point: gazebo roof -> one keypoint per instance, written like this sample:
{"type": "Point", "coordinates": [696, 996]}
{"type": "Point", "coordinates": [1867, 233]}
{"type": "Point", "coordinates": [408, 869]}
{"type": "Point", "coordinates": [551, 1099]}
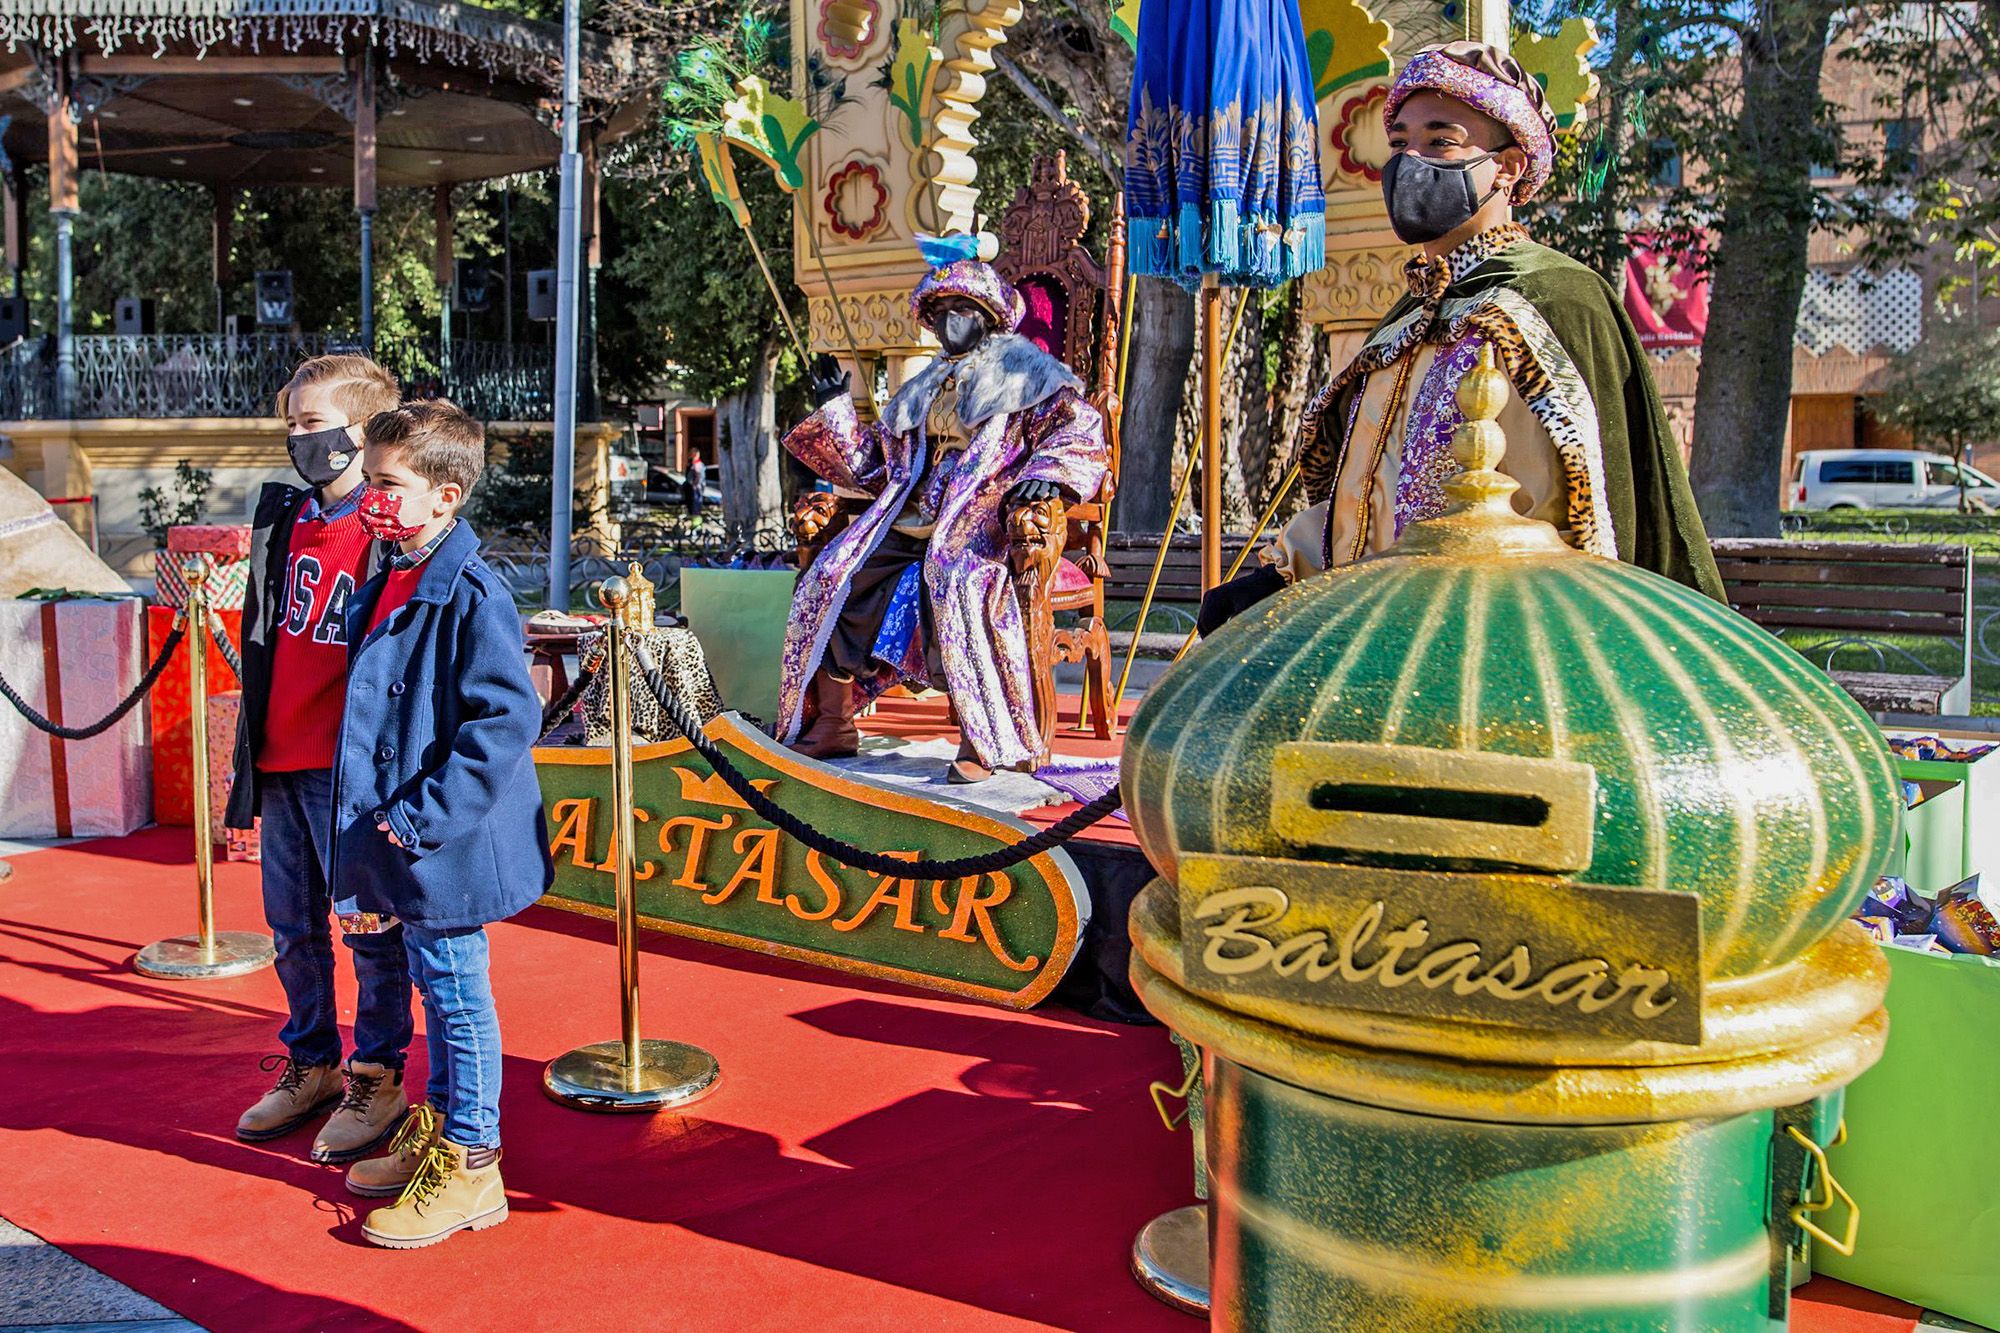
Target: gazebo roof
{"type": "Point", "coordinates": [260, 92]}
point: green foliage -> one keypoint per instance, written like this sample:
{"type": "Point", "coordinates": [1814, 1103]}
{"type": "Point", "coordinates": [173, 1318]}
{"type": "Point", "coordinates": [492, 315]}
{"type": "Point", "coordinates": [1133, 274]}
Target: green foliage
{"type": "Point", "coordinates": [184, 501]}
{"type": "Point", "coordinates": [512, 497]}
{"type": "Point", "coordinates": [1946, 391]}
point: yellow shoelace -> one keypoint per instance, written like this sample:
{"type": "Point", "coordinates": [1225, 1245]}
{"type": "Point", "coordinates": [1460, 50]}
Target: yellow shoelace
{"type": "Point", "coordinates": [419, 1127]}
{"type": "Point", "coordinates": [437, 1167]}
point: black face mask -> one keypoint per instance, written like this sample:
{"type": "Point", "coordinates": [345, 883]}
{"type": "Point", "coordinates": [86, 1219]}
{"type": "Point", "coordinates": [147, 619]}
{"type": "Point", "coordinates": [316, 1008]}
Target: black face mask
{"type": "Point", "coordinates": [322, 456]}
{"type": "Point", "coordinates": [1429, 197]}
{"type": "Point", "coordinates": [959, 330]}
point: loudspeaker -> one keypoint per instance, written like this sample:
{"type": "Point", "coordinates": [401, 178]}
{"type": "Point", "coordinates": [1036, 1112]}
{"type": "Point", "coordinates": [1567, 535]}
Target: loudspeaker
{"type": "Point", "coordinates": [274, 296]}
{"type": "Point", "coordinates": [132, 316]}
{"type": "Point", "coordinates": [471, 287]}
{"type": "Point", "coordinates": [13, 319]}
{"type": "Point", "coordinates": [542, 293]}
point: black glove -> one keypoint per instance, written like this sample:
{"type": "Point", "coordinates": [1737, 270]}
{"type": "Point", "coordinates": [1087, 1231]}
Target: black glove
{"type": "Point", "coordinates": [1031, 492]}
{"type": "Point", "coordinates": [829, 381]}
{"type": "Point", "coordinates": [1226, 601]}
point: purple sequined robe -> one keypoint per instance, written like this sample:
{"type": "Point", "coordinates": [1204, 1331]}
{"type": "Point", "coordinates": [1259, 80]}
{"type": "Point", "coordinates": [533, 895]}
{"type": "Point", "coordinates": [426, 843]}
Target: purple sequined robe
{"type": "Point", "coordinates": [1027, 421]}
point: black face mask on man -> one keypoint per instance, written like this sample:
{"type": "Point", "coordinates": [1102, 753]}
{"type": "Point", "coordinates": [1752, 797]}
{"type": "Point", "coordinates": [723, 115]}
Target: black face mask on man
{"type": "Point", "coordinates": [960, 330]}
{"type": "Point", "coordinates": [1429, 197]}
{"type": "Point", "coordinates": [321, 456]}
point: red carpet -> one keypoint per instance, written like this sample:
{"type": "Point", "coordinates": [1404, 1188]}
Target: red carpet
{"type": "Point", "coordinates": [874, 1158]}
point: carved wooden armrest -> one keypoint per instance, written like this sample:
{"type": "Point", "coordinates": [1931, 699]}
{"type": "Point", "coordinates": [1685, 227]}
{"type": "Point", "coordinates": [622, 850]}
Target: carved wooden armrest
{"type": "Point", "coordinates": [1035, 534]}
{"type": "Point", "coordinates": [811, 513]}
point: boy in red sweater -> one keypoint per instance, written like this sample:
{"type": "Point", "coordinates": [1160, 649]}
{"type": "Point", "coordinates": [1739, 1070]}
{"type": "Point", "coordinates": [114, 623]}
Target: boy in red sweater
{"type": "Point", "coordinates": [309, 552]}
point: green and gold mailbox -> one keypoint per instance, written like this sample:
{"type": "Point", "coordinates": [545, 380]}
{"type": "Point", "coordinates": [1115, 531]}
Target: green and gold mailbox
{"type": "Point", "coordinates": [1505, 890]}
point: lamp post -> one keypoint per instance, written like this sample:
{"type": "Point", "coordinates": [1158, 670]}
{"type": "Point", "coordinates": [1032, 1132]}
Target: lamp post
{"type": "Point", "coordinates": [562, 481]}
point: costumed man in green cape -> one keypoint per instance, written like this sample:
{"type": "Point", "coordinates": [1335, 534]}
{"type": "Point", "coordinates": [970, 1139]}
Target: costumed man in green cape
{"type": "Point", "coordinates": [1587, 437]}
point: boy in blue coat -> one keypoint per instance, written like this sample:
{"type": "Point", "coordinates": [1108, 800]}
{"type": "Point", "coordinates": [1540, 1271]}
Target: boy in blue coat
{"type": "Point", "coordinates": [437, 813]}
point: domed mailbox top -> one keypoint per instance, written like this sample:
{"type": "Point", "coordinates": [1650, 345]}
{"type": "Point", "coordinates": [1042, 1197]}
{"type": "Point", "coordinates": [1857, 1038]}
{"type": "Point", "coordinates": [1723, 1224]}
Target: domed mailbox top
{"type": "Point", "coordinates": [1527, 749]}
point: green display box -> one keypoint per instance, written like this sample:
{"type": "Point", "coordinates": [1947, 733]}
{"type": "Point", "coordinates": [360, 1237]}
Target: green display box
{"type": "Point", "coordinates": [1918, 1135]}
{"type": "Point", "coordinates": [1950, 836]}
{"type": "Point", "coordinates": [739, 615]}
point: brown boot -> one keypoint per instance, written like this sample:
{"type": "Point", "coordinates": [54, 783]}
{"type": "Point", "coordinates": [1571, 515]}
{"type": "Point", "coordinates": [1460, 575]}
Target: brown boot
{"type": "Point", "coordinates": [380, 1177]}
{"type": "Point", "coordinates": [833, 734]}
{"type": "Point", "coordinates": [967, 768]}
{"type": "Point", "coordinates": [301, 1092]}
{"type": "Point", "coordinates": [375, 1101]}
{"type": "Point", "coordinates": [454, 1190]}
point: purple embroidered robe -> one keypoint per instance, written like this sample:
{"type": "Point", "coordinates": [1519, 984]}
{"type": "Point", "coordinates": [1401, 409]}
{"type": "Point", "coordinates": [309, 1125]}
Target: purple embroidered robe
{"type": "Point", "coordinates": [1027, 421]}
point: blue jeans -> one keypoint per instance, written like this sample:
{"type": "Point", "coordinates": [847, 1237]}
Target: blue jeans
{"type": "Point", "coordinates": [297, 840]}
{"type": "Point", "coordinates": [463, 1029]}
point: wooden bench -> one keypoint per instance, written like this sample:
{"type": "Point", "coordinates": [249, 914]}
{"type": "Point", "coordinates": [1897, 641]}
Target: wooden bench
{"type": "Point", "coordinates": [1852, 591]}
{"type": "Point", "coordinates": [1130, 556]}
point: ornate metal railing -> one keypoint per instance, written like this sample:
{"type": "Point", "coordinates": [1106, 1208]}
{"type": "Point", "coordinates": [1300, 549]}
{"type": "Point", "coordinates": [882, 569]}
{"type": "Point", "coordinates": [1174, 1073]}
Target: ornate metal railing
{"type": "Point", "coordinates": [215, 375]}
{"type": "Point", "coordinates": [660, 549]}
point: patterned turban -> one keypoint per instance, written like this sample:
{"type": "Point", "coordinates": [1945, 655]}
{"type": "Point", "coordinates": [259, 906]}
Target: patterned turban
{"type": "Point", "coordinates": [1491, 83]}
{"type": "Point", "coordinates": [976, 281]}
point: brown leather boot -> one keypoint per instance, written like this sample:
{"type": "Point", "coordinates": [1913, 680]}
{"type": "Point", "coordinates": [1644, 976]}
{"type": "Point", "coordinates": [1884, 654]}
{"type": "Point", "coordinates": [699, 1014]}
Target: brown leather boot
{"type": "Point", "coordinates": [379, 1177]}
{"type": "Point", "coordinates": [367, 1116]}
{"type": "Point", "coordinates": [301, 1092]}
{"type": "Point", "coordinates": [833, 734]}
{"type": "Point", "coordinates": [455, 1189]}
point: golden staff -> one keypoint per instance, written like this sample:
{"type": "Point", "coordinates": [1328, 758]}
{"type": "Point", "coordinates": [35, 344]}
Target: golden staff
{"type": "Point", "coordinates": [720, 173]}
{"type": "Point", "coordinates": [1284, 489]}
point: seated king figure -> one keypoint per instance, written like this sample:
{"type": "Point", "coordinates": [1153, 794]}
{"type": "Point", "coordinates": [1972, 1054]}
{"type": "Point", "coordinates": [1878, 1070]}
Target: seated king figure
{"type": "Point", "coordinates": [1471, 136]}
{"type": "Point", "coordinates": [919, 589]}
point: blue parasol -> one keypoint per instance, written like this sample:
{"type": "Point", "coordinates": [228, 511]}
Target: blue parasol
{"type": "Point", "coordinates": [1222, 175]}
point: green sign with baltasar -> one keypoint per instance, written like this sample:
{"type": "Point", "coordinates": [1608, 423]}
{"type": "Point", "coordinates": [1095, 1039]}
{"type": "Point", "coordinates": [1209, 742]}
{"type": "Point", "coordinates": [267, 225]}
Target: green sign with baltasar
{"type": "Point", "coordinates": [709, 867]}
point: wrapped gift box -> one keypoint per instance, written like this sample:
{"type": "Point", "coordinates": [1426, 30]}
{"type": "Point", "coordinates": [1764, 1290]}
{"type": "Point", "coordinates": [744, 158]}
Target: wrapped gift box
{"type": "Point", "coordinates": [244, 844]}
{"type": "Point", "coordinates": [223, 549]}
{"type": "Point", "coordinates": [173, 732]}
{"type": "Point", "coordinates": [237, 844]}
{"type": "Point", "coordinates": [73, 661]}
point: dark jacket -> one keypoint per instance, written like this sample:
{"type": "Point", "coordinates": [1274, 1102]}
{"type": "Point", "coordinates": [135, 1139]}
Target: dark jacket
{"type": "Point", "coordinates": [278, 507]}
{"type": "Point", "coordinates": [438, 739]}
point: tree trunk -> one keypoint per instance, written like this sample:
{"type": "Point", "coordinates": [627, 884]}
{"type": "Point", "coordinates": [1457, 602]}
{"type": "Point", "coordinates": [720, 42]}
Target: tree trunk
{"type": "Point", "coordinates": [1163, 338]}
{"type": "Point", "coordinates": [1246, 416]}
{"type": "Point", "coordinates": [1743, 394]}
{"type": "Point", "coordinates": [1304, 367]}
{"type": "Point", "coordinates": [748, 463]}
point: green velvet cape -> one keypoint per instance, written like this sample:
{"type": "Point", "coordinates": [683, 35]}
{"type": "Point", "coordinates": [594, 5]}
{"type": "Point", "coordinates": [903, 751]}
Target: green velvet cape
{"type": "Point", "coordinates": [1652, 507]}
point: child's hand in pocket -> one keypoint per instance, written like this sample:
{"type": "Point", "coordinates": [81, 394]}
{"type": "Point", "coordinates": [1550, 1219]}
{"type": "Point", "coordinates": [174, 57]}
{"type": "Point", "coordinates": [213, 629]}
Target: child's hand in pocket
{"type": "Point", "coordinates": [382, 825]}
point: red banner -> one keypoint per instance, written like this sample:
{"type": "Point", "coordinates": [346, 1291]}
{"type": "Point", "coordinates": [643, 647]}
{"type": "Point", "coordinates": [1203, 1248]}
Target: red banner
{"type": "Point", "coordinates": [1666, 293]}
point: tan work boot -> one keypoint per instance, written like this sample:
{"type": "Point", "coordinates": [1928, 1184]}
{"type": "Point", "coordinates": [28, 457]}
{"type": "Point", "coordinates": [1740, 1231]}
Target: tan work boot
{"type": "Point", "coordinates": [367, 1116]}
{"type": "Point", "coordinates": [301, 1092]}
{"type": "Point", "coordinates": [380, 1177]}
{"type": "Point", "coordinates": [833, 734]}
{"type": "Point", "coordinates": [455, 1189]}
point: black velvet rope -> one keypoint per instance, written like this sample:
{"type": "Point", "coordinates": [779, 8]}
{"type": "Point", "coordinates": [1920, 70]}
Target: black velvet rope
{"type": "Point", "coordinates": [228, 649]}
{"type": "Point", "coordinates": [847, 853]}
{"type": "Point", "coordinates": [557, 711]}
{"type": "Point", "coordinates": [109, 720]}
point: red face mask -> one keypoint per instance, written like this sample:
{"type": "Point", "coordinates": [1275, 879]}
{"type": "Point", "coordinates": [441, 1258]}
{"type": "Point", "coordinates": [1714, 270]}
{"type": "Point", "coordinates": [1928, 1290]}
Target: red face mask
{"type": "Point", "coordinates": [381, 514]}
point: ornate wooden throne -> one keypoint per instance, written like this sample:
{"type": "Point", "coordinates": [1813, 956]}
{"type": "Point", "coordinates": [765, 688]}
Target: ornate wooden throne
{"type": "Point", "coordinates": [1056, 549]}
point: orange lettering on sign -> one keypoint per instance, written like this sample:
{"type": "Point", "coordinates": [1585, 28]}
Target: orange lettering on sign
{"type": "Point", "coordinates": [698, 831]}
{"type": "Point", "coordinates": [902, 893]}
{"type": "Point", "coordinates": [645, 869]}
{"type": "Point", "coordinates": [973, 906]}
{"type": "Point", "coordinates": [828, 887]}
{"type": "Point", "coordinates": [572, 831]}
{"type": "Point", "coordinates": [760, 865]}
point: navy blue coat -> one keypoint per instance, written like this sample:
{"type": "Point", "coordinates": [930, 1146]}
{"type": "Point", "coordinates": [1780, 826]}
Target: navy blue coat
{"type": "Point", "coordinates": [438, 738]}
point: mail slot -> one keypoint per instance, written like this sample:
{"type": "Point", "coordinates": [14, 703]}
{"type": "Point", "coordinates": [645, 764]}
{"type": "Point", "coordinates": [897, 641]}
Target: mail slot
{"type": "Point", "coordinates": [1504, 891]}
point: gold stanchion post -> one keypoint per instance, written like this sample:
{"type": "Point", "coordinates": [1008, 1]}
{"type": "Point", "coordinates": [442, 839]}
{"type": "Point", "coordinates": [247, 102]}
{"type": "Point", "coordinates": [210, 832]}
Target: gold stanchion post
{"type": "Point", "coordinates": [203, 954]}
{"type": "Point", "coordinates": [630, 1074]}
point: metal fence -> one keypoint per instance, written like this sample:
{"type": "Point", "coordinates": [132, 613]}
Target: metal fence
{"type": "Point", "coordinates": [178, 375]}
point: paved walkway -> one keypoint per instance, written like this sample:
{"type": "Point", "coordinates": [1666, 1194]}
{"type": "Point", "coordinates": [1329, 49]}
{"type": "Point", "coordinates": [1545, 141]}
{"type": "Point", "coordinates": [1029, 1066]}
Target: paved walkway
{"type": "Point", "coordinates": [43, 1288]}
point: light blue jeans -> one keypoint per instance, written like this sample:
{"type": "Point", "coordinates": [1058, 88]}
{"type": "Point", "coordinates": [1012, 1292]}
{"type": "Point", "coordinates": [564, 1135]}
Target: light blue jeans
{"type": "Point", "coordinates": [463, 1029]}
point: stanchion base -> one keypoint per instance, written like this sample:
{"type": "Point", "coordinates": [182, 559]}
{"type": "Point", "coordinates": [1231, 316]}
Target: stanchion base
{"type": "Point", "coordinates": [593, 1078]}
{"type": "Point", "coordinates": [183, 959]}
{"type": "Point", "coordinates": [1170, 1258]}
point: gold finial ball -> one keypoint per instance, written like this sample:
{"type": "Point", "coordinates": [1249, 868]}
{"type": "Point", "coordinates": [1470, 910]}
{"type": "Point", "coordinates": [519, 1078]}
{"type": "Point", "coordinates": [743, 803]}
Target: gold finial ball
{"type": "Point", "coordinates": [196, 574]}
{"type": "Point", "coordinates": [1483, 393]}
{"type": "Point", "coordinates": [614, 593]}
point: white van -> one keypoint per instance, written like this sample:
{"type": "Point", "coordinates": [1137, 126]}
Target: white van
{"type": "Point", "coordinates": [1885, 479]}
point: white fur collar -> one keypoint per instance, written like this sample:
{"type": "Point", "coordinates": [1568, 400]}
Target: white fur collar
{"type": "Point", "coordinates": [1003, 375]}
